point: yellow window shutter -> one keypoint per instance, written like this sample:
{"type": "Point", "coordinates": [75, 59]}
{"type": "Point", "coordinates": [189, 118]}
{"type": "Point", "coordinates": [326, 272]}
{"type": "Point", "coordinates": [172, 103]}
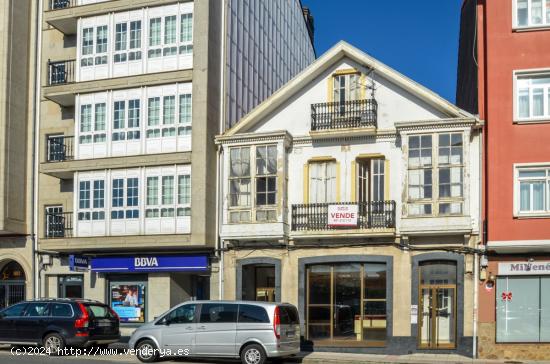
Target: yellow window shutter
{"type": "Point", "coordinates": [386, 179]}
{"type": "Point", "coordinates": [306, 183]}
{"type": "Point", "coordinates": [338, 182]}
{"type": "Point", "coordinates": [330, 88]}
{"type": "Point", "coordinates": [353, 176]}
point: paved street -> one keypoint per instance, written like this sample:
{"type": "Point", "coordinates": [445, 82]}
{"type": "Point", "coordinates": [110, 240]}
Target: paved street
{"type": "Point", "coordinates": [7, 356]}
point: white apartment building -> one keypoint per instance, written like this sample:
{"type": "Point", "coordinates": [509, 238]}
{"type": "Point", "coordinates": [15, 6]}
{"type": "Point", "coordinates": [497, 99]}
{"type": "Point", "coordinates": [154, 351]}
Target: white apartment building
{"type": "Point", "coordinates": [133, 93]}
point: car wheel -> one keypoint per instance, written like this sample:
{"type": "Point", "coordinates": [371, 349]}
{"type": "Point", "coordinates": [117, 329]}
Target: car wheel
{"type": "Point", "coordinates": [146, 351]}
{"type": "Point", "coordinates": [253, 354]}
{"type": "Point", "coordinates": [53, 343]}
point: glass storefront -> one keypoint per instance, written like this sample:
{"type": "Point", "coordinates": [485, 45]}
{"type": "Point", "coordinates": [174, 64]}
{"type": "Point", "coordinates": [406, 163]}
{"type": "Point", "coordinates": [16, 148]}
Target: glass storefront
{"type": "Point", "coordinates": [346, 304]}
{"type": "Point", "coordinates": [259, 282]}
{"type": "Point", "coordinates": [523, 309]}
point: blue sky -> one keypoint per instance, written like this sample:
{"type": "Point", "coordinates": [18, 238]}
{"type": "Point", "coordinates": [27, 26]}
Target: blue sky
{"type": "Point", "coordinates": [417, 38]}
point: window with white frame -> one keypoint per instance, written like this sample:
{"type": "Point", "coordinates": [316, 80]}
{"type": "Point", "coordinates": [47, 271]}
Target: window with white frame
{"type": "Point", "coordinates": [346, 87]}
{"type": "Point", "coordinates": [239, 184]}
{"type": "Point", "coordinates": [266, 182]}
{"type": "Point", "coordinates": [92, 123]}
{"type": "Point", "coordinates": [168, 116]}
{"type": "Point", "coordinates": [435, 174]}
{"type": "Point", "coordinates": [184, 195]}
{"type": "Point", "coordinates": [153, 113]}
{"type": "Point", "coordinates": [127, 41]}
{"type": "Point", "coordinates": [89, 54]}
{"type": "Point", "coordinates": [186, 33]}
{"type": "Point", "coordinates": [126, 124]}
{"type": "Point", "coordinates": [533, 96]}
{"type": "Point", "coordinates": [144, 40]}
{"type": "Point", "coordinates": [163, 35]}
{"type": "Point", "coordinates": [322, 181]}
{"type": "Point", "coordinates": [125, 201]}
{"type": "Point", "coordinates": [532, 13]}
{"type": "Point", "coordinates": [532, 190]}
{"type": "Point", "coordinates": [161, 199]}
{"type": "Point", "coordinates": [91, 200]}
{"type": "Point", "coordinates": [253, 168]}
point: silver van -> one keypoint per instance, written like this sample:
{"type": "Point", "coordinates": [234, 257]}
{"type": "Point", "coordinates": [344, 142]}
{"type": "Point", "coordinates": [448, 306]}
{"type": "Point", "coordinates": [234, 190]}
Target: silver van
{"type": "Point", "coordinates": [253, 331]}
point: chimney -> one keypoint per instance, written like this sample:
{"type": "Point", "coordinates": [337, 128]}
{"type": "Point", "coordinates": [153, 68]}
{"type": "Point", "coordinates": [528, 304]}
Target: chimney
{"type": "Point", "coordinates": [309, 21]}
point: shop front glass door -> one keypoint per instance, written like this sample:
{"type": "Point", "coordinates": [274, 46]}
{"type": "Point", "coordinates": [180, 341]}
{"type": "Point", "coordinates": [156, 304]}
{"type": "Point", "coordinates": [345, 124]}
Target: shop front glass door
{"type": "Point", "coordinates": [346, 304]}
{"type": "Point", "coordinates": [437, 311]}
{"type": "Point", "coordinates": [438, 317]}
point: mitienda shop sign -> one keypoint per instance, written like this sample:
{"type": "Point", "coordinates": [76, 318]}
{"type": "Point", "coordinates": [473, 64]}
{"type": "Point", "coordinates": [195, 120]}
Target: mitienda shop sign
{"type": "Point", "coordinates": [523, 268]}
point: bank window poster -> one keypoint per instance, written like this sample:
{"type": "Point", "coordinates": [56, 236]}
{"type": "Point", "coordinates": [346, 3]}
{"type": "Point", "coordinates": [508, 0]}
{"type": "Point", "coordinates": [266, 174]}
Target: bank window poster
{"type": "Point", "coordinates": [128, 301]}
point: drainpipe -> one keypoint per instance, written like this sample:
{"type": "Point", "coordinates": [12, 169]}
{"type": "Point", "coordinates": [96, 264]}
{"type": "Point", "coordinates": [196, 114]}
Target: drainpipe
{"type": "Point", "coordinates": [219, 206]}
{"type": "Point", "coordinates": [476, 255]}
{"type": "Point", "coordinates": [35, 148]}
{"type": "Point", "coordinates": [219, 162]}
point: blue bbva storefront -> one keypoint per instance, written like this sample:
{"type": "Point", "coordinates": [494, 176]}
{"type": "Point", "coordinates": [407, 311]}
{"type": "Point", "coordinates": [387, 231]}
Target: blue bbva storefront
{"type": "Point", "coordinates": [139, 287]}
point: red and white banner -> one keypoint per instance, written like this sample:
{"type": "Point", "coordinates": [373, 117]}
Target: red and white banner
{"type": "Point", "coordinates": [342, 215]}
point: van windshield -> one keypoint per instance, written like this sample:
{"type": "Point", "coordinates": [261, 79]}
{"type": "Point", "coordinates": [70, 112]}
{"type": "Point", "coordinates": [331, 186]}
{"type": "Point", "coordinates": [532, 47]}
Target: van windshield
{"type": "Point", "coordinates": [289, 315]}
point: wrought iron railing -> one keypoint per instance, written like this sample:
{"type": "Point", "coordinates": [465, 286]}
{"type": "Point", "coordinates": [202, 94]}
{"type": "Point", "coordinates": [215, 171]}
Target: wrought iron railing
{"type": "Point", "coordinates": [59, 225]}
{"type": "Point", "coordinates": [342, 115]}
{"type": "Point", "coordinates": [62, 4]}
{"type": "Point", "coordinates": [61, 72]}
{"type": "Point", "coordinates": [370, 215]}
{"type": "Point", "coordinates": [60, 148]}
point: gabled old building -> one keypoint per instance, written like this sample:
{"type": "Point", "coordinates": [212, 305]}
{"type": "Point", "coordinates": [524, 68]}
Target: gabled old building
{"type": "Point", "coordinates": [353, 193]}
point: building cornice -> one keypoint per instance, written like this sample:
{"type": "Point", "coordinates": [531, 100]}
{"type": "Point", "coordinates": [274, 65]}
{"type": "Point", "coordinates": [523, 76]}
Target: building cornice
{"type": "Point", "coordinates": [254, 137]}
{"type": "Point", "coordinates": [438, 124]}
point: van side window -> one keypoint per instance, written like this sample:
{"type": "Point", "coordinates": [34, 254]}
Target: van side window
{"type": "Point", "coordinates": [252, 314]}
{"type": "Point", "coordinates": [218, 313]}
{"type": "Point", "coordinates": [182, 315]}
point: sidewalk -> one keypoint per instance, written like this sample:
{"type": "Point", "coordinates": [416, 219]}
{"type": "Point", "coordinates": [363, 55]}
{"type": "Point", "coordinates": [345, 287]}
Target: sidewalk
{"type": "Point", "coordinates": [321, 357]}
{"type": "Point", "coordinates": [348, 358]}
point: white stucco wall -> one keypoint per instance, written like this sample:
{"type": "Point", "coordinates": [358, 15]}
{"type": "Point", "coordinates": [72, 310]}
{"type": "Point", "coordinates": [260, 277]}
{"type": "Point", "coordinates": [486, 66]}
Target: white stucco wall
{"type": "Point", "coordinates": [395, 105]}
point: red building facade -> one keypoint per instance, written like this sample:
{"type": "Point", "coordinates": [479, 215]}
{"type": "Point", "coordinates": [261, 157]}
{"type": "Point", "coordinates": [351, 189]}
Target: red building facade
{"type": "Point", "coordinates": [504, 76]}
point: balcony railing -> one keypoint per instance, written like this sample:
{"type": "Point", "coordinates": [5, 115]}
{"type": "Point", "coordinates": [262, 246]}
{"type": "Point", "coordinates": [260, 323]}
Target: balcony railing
{"type": "Point", "coordinates": [61, 72]}
{"type": "Point", "coordinates": [343, 115]}
{"type": "Point", "coordinates": [62, 4]}
{"type": "Point", "coordinates": [371, 215]}
{"type": "Point", "coordinates": [59, 225]}
{"type": "Point", "coordinates": [60, 148]}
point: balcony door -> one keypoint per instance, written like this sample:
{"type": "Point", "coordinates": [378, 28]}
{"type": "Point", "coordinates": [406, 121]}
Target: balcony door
{"type": "Point", "coordinates": [370, 188]}
{"type": "Point", "coordinates": [322, 182]}
{"type": "Point", "coordinates": [346, 88]}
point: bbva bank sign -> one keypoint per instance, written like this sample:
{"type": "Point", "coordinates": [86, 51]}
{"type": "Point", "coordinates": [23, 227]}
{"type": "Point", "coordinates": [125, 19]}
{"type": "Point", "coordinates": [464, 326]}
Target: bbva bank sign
{"type": "Point", "coordinates": [146, 262]}
{"type": "Point", "coordinates": [151, 263]}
